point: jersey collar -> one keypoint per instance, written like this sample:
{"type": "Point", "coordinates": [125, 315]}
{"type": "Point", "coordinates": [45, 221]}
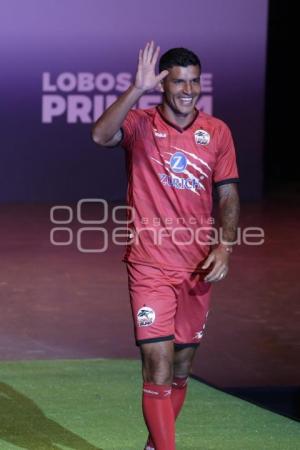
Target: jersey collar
{"type": "Point", "coordinates": [173, 125]}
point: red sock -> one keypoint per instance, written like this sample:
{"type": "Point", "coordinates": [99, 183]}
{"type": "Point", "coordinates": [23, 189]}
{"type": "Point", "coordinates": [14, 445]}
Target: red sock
{"type": "Point", "coordinates": [159, 415]}
{"type": "Point", "coordinates": [179, 388]}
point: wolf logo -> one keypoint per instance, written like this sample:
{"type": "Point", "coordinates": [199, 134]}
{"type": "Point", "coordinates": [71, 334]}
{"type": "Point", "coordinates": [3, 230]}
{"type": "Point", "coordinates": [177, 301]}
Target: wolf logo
{"type": "Point", "coordinates": [202, 137]}
{"type": "Point", "coordinates": [145, 316]}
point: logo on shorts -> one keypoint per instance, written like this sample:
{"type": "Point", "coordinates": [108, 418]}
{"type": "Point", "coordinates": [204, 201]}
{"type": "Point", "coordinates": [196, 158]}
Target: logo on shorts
{"type": "Point", "coordinates": [198, 335]}
{"type": "Point", "coordinates": [178, 162]}
{"type": "Point", "coordinates": [145, 316]}
{"type": "Point", "coordinates": [202, 137]}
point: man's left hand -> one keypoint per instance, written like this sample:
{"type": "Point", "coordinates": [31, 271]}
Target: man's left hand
{"type": "Point", "coordinates": [219, 257]}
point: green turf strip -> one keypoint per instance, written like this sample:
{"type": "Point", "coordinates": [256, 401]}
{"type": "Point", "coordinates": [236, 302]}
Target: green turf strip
{"type": "Point", "coordinates": [95, 404]}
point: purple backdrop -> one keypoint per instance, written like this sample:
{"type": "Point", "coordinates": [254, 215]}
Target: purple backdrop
{"type": "Point", "coordinates": [64, 60]}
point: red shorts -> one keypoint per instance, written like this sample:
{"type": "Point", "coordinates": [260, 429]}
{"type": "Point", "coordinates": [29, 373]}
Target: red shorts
{"type": "Point", "coordinates": [168, 305]}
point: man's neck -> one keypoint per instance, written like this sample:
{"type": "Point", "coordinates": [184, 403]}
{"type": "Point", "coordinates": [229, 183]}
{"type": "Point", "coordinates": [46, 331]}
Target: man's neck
{"type": "Point", "coordinates": [179, 120]}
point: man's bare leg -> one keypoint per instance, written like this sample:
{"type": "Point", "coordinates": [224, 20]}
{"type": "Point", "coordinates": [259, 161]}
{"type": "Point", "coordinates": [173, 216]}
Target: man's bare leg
{"type": "Point", "coordinates": [183, 361]}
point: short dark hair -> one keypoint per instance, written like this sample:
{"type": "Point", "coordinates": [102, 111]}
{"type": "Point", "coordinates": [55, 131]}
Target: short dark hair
{"type": "Point", "coordinates": [178, 57]}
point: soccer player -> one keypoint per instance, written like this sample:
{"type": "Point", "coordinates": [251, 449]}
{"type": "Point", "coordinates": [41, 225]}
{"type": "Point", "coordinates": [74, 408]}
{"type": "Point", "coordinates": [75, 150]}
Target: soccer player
{"type": "Point", "coordinates": [175, 154]}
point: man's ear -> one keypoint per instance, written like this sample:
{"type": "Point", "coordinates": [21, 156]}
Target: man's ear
{"type": "Point", "coordinates": [161, 86]}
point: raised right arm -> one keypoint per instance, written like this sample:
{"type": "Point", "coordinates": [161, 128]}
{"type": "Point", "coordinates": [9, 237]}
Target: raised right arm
{"type": "Point", "coordinates": [107, 129]}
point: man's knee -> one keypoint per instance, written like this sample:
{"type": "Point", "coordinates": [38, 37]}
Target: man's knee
{"type": "Point", "coordinates": [157, 361]}
{"type": "Point", "coordinates": [183, 361]}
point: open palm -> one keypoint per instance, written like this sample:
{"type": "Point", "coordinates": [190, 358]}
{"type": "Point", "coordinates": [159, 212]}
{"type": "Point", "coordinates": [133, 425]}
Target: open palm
{"type": "Point", "coordinates": [145, 76]}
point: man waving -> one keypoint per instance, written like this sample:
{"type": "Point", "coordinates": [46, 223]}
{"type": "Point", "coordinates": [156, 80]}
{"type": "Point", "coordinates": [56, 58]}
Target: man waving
{"type": "Point", "coordinates": [175, 154]}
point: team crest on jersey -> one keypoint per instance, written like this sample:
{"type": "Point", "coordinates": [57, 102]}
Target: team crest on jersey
{"type": "Point", "coordinates": [202, 137]}
{"type": "Point", "coordinates": [145, 316]}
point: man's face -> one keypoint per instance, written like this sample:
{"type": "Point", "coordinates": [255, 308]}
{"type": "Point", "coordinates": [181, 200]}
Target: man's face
{"type": "Point", "coordinates": [181, 89]}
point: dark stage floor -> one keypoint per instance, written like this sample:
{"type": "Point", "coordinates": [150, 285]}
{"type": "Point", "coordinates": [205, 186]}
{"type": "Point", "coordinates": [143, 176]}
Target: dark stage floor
{"type": "Point", "coordinates": [57, 302]}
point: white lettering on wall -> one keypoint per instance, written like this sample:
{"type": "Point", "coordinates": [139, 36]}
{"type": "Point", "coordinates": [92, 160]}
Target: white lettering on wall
{"type": "Point", "coordinates": [82, 97]}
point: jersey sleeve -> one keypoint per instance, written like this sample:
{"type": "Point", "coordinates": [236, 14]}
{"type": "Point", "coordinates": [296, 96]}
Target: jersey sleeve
{"type": "Point", "coordinates": [129, 129]}
{"type": "Point", "coordinates": [225, 170]}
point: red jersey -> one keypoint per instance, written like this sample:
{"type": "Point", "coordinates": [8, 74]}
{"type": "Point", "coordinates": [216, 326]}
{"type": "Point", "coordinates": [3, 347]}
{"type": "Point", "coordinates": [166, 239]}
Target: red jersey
{"type": "Point", "coordinates": [171, 172]}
